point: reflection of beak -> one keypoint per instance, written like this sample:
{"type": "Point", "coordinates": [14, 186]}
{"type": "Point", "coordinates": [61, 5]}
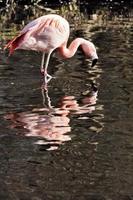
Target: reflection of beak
{"type": "Point", "coordinates": [94, 62]}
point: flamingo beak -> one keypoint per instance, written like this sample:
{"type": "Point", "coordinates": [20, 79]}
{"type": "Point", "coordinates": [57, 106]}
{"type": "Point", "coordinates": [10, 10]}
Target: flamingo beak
{"type": "Point", "coordinates": [94, 61]}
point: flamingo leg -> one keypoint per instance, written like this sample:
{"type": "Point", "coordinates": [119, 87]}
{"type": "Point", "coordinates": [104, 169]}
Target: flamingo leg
{"type": "Point", "coordinates": [42, 63]}
{"type": "Point", "coordinates": [47, 77]}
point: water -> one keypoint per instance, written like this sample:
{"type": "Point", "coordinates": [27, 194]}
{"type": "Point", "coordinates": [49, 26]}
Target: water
{"type": "Point", "coordinates": [73, 141]}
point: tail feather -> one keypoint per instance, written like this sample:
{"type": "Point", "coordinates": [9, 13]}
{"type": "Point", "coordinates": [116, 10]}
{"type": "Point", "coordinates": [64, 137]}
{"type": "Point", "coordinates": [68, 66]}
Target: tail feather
{"type": "Point", "coordinates": [14, 43]}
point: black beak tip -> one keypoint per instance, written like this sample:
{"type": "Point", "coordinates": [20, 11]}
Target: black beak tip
{"type": "Point", "coordinates": [94, 62]}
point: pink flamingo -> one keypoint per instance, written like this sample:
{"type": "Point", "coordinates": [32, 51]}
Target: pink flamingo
{"type": "Point", "coordinates": [46, 34]}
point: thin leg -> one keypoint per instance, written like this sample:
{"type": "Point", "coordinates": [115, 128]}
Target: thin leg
{"type": "Point", "coordinates": [47, 61]}
{"type": "Point", "coordinates": [47, 77]}
{"type": "Point", "coordinates": [42, 63]}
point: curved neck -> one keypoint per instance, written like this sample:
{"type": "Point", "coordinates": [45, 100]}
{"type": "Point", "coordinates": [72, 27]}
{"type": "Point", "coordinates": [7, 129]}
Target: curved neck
{"type": "Point", "coordinates": [71, 50]}
{"type": "Point", "coordinates": [87, 46]}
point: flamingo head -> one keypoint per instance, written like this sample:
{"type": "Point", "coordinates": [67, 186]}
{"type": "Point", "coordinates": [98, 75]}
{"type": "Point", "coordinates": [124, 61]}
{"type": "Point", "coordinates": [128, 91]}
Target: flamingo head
{"type": "Point", "coordinates": [90, 51]}
{"type": "Point", "coordinates": [94, 61]}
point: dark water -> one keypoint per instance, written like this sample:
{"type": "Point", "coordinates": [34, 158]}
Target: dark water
{"type": "Point", "coordinates": [69, 142]}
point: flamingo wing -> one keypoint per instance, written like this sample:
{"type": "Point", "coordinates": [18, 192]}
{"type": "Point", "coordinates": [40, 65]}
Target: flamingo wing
{"type": "Point", "coordinates": [14, 43]}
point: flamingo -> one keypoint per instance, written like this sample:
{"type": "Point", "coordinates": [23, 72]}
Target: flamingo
{"type": "Point", "coordinates": [47, 33]}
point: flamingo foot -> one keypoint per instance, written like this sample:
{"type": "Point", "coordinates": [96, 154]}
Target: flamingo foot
{"type": "Point", "coordinates": [46, 76]}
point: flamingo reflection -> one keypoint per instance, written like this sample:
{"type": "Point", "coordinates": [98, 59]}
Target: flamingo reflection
{"type": "Point", "coordinates": [52, 124]}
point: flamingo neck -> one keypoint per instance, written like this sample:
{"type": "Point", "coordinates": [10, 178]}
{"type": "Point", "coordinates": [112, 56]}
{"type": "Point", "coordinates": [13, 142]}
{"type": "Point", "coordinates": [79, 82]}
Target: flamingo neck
{"type": "Point", "coordinates": [87, 47]}
{"type": "Point", "coordinates": [71, 50]}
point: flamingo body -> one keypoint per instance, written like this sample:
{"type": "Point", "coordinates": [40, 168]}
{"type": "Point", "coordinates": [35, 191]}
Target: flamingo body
{"type": "Point", "coordinates": [42, 34]}
{"type": "Point", "coordinates": [48, 33]}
